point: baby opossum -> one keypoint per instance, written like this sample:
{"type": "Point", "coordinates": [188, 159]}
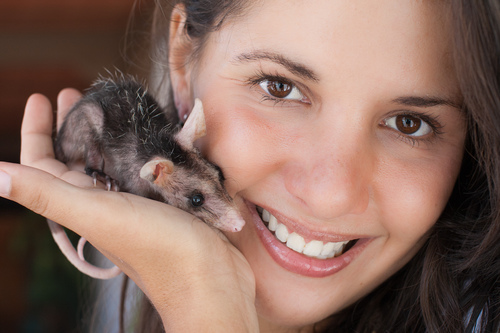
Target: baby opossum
{"type": "Point", "coordinates": [125, 140]}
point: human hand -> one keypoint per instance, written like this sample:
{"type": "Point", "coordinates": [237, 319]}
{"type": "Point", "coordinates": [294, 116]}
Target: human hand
{"type": "Point", "coordinates": [36, 137]}
{"type": "Point", "coordinates": [191, 273]}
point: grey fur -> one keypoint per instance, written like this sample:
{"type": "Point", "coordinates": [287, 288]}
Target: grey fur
{"type": "Point", "coordinates": [118, 127]}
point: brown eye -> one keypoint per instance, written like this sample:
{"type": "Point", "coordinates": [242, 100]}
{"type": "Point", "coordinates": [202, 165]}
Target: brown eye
{"type": "Point", "coordinates": [281, 89]}
{"type": "Point", "coordinates": [408, 125]}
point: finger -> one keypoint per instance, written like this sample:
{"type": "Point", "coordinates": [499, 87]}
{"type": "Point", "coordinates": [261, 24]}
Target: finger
{"type": "Point", "coordinates": [65, 101]}
{"type": "Point", "coordinates": [36, 130]}
{"type": "Point", "coordinates": [36, 137]}
{"type": "Point", "coordinates": [34, 189]}
{"type": "Point", "coordinates": [91, 213]}
{"type": "Point", "coordinates": [51, 204]}
{"type": "Point", "coordinates": [104, 218]}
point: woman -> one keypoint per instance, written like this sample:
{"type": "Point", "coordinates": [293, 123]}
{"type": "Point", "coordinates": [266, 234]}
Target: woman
{"type": "Point", "coordinates": [361, 144]}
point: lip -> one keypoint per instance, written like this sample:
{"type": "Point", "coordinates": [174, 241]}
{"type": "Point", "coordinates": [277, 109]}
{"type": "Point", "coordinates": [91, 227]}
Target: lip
{"type": "Point", "coordinates": [299, 263]}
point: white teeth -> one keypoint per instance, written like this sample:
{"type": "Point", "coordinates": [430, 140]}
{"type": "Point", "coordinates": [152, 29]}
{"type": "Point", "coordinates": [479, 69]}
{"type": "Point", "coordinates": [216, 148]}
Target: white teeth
{"type": "Point", "coordinates": [265, 215]}
{"type": "Point", "coordinates": [330, 249]}
{"type": "Point", "coordinates": [313, 248]}
{"type": "Point", "coordinates": [273, 223]}
{"type": "Point", "coordinates": [296, 242]}
{"type": "Point", "coordinates": [281, 233]}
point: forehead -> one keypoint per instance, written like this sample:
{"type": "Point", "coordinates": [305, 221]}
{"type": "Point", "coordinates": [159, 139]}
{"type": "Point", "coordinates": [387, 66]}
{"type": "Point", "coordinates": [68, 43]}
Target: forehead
{"type": "Point", "coordinates": [388, 39]}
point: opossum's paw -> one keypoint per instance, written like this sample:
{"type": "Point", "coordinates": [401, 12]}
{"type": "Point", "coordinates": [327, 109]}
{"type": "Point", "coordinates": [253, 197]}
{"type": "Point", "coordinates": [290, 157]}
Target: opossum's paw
{"type": "Point", "coordinates": [97, 175]}
{"type": "Point", "coordinates": [111, 184]}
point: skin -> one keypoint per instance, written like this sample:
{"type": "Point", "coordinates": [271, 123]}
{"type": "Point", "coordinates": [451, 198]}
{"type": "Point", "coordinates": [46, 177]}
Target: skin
{"type": "Point", "coordinates": [127, 229]}
{"type": "Point", "coordinates": [331, 160]}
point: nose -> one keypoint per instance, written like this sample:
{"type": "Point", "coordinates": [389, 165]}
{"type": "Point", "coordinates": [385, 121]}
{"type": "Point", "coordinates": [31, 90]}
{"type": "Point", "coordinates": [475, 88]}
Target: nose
{"type": "Point", "coordinates": [332, 175]}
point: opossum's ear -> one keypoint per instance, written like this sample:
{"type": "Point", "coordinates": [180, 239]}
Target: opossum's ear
{"type": "Point", "coordinates": [194, 128]}
{"type": "Point", "coordinates": [181, 47]}
{"type": "Point", "coordinates": [157, 171]}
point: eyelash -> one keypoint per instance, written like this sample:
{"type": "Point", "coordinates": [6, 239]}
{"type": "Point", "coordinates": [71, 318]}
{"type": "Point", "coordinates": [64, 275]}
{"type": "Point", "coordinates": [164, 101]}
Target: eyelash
{"type": "Point", "coordinates": [260, 77]}
{"type": "Point", "coordinates": [431, 121]}
{"type": "Point", "coordinates": [414, 141]}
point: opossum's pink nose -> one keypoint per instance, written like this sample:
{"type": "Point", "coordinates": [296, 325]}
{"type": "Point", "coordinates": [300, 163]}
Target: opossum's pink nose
{"type": "Point", "coordinates": [231, 221]}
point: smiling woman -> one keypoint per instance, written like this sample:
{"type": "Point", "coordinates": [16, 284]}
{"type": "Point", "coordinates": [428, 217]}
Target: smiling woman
{"type": "Point", "coordinates": [326, 151]}
{"type": "Point", "coordinates": [361, 150]}
{"type": "Point", "coordinates": [351, 118]}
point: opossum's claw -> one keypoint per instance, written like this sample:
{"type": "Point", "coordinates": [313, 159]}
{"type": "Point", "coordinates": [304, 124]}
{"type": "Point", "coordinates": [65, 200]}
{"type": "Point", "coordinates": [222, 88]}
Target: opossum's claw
{"type": "Point", "coordinates": [97, 175]}
{"type": "Point", "coordinates": [111, 184]}
{"type": "Point", "coordinates": [94, 178]}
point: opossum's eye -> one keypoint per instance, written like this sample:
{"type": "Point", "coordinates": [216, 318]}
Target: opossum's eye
{"type": "Point", "coordinates": [197, 200]}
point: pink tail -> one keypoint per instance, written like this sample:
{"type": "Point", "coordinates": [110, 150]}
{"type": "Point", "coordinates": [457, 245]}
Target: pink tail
{"type": "Point", "coordinates": [77, 259]}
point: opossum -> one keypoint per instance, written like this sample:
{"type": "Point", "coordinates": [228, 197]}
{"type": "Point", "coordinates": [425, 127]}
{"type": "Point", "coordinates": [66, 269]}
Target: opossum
{"type": "Point", "coordinates": [127, 141]}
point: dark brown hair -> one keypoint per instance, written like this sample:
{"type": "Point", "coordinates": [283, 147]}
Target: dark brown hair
{"type": "Point", "coordinates": [453, 283]}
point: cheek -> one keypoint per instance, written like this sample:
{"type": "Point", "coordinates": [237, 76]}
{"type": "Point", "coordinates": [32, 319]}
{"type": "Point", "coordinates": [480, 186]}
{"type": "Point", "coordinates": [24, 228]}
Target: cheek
{"type": "Point", "coordinates": [416, 195]}
{"type": "Point", "coordinates": [237, 141]}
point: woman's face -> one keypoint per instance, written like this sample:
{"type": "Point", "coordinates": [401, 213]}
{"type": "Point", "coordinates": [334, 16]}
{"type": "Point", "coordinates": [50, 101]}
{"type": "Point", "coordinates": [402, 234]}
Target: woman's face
{"type": "Point", "coordinates": [341, 120]}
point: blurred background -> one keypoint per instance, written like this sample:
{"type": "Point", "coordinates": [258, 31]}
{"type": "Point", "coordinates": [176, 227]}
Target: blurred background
{"type": "Point", "coordinates": [46, 46]}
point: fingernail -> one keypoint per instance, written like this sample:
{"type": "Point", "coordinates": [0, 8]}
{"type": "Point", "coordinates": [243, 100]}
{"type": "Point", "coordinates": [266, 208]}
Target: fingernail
{"type": "Point", "coordinates": [5, 184]}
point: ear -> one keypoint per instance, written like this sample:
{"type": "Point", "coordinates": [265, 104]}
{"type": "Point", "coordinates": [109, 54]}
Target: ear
{"type": "Point", "coordinates": [194, 128]}
{"type": "Point", "coordinates": [157, 171]}
{"type": "Point", "coordinates": [180, 49]}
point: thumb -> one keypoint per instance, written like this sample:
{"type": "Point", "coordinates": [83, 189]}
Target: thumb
{"type": "Point", "coordinates": [34, 189]}
{"type": "Point", "coordinates": [92, 213]}
{"type": "Point", "coordinates": [79, 209]}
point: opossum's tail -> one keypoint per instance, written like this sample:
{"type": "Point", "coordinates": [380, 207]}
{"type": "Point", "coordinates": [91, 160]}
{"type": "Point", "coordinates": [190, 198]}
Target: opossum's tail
{"type": "Point", "coordinates": [77, 259]}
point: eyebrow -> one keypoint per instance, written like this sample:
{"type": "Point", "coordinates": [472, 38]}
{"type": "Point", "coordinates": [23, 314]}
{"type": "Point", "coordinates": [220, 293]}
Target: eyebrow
{"type": "Point", "coordinates": [291, 65]}
{"type": "Point", "coordinates": [426, 102]}
{"type": "Point", "coordinates": [307, 73]}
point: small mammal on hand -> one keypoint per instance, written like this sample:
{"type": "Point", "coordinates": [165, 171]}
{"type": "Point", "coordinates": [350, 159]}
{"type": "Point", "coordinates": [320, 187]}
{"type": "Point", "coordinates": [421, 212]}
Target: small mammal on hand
{"type": "Point", "coordinates": [126, 140]}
